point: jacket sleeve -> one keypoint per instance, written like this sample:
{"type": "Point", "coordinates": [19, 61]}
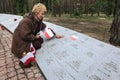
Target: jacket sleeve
{"type": "Point", "coordinates": [43, 26]}
{"type": "Point", "coordinates": [25, 31]}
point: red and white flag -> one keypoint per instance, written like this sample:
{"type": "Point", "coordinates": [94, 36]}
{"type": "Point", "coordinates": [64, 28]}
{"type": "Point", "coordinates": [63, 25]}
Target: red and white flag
{"type": "Point", "coordinates": [32, 49]}
{"type": "Point", "coordinates": [48, 33]}
{"type": "Point", "coordinates": [73, 37]}
{"type": "Point", "coordinates": [28, 58]}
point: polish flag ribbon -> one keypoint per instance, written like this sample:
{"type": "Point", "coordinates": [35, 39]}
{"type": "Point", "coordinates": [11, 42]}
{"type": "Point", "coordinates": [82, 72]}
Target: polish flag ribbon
{"type": "Point", "coordinates": [28, 58]}
{"type": "Point", "coordinates": [48, 33]}
{"type": "Point", "coordinates": [32, 49]}
{"type": "Point", "coordinates": [73, 37]}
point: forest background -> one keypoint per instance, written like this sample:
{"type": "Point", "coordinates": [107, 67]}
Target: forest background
{"type": "Point", "coordinates": [72, 7]}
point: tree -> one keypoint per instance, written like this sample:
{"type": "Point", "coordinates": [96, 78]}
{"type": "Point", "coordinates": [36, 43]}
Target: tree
{"type": "Point", "coordinates": [6, 6]}
{"type": "Point", "coordinates": [98, 6]}
{"type": "Point", "coordinates": [108, 7]}
{"type": "Point", "coordinates": [92, 9]}
{"type": "Point", "coordinates": [56, 8]}
{"type": "Point", "coordinates": [59, 7]}
{"type": "Point", "coordinates": [115, 27]}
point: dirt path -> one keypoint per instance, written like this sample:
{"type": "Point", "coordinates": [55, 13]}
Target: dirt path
{"type": "Point", "coordinates": [98, 30]}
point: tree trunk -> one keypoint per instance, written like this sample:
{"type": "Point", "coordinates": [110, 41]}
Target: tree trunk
{"type": "Point", "coordinates": [115, 27]}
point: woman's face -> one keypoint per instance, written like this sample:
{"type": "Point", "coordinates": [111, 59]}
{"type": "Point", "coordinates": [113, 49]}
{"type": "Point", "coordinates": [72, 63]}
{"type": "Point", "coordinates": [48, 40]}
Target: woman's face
{"type": "Point", "coordinates": [40, 15]}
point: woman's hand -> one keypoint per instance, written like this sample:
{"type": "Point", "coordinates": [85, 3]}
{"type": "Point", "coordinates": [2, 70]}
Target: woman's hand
{"type": "Point", "coordinates": [37, 36]}
{"type": "Point", "coordinates": [59, 36]}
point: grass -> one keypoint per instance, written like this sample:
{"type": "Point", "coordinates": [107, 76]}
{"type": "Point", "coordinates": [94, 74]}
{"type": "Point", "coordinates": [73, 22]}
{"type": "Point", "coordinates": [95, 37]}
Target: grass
{"type": "Point", "coordinates": [95, 26]}
{"type": "Point", "coordinates": [95, 18]}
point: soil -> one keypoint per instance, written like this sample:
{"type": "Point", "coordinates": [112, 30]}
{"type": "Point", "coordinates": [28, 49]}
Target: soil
{"type": "Point", "coordinates": [98, 30]}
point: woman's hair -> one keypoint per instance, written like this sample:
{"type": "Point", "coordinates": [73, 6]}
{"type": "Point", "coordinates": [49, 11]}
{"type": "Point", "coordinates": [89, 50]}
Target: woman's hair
{"type": "Point", "coordinates": [39, 7]}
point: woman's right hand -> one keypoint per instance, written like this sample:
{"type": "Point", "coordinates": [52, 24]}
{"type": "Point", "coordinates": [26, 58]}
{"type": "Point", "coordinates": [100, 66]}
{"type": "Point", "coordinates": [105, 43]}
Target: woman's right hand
{"type": "Point", "coordinates": [59, 36]}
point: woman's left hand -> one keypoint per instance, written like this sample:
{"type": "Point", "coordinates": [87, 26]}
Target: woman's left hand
{"type": "Point", "coordinates": [37, 36]}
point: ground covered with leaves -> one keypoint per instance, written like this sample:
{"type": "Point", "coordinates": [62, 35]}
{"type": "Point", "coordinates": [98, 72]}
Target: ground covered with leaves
{"type": "Point", "coordinates": [98, 29]}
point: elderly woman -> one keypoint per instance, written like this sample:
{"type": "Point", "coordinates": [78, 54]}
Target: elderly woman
{"type": "Point", "coordinates": [26, 34]}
